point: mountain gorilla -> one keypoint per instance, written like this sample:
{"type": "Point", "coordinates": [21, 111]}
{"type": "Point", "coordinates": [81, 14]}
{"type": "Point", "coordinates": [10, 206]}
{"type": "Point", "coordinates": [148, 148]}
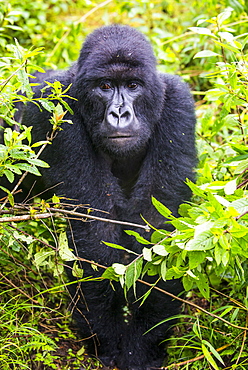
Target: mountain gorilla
{"type": "Point", "coordinates": [132, 138]}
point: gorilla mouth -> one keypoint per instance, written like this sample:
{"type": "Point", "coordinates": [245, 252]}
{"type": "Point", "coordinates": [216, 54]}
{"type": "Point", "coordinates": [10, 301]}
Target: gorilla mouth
{"type": "Point", "coordinates": [120, 137]}
{"type": "Point", "coordinates": [121, 140]}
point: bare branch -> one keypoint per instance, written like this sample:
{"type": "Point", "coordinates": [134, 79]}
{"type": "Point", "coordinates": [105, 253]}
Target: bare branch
{"type": "Point", "coordinates": [55, 212]}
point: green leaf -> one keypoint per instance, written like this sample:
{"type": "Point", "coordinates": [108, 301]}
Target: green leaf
{"type": "Point", "coordinates": [119, 269]}
{"type": "Point", "coordinates": [116, 246]}
{"type": "Point", "coordinates": [58, 269]}
{"type": "Point", "coordinates": [147, 254]}
{"type": "Point", "coordinates": [224, 202]}
{"type": "Point", "coordinates": [183, 209]}
{"type": "Point", "coordinates": [227, 46]}
{"type": "Point", "coordinates": [42, 258]}
{"type": "Point", "coordinates": [10, 176]}
{"type": "Point", "coordinates": [48, 105]}
{"type": "Point", "coordinates": [187, 282]}
{"type": "Point", "coordinates": [209, 358]}
{"type": "Point", "coordinates": [28, 168]}
{"type": "Point", "coordinates": [174, 272]}
{"type": "Point", "coordinates": [214, 352]}
{"type": "Point", "coordinates": [230, 187]}
{"type": "Point", "coordinates": [206, 54]}
{"type": "Point", "coordinates": [110, 274]}
{"type": "Point", "coordinates": [203, 285]}
{"type": "Point", "coordinates": [77, 271]}
{"type": "Point", "coordinates": [13, 168]}
{"type": "Point", "coordinates": [195, 258]}
{"type": "Point", "coordinates": [137, 236]}
{"type": "Point", "coordinates": [201, 242]}
{"type": "Point", "coordinates": [17, 154]}
{"type": "Point", "coordinates": [64, 251]}
{"type": "Point", "coordinates": [162, 209]}
{"type": "Point", "coordinates": [238, 230]}
{"type": "Point", "coordinates": [201, 31]}
{"type": "Point", "coordinates": [38, 162]}
{"type": "Point", "coordinates": [133, 273]}
{"type": "Point", "coordinates": [112, 245]}
{"type": "Point", "coordinates": [81, 351]}
{"type": "Point", "coordinates": [241, 166]}
{"type": "Point", "coordinates": [196, 189]}
{"type": "Point", "coordinates": [67, 107]}
{"type": "Point", "coordinates": [158, 235]}
{"type": "Point", "coordinates": [223, 240]}
{"type": "Point", "coordinates": [39, 143]}
{"type": "Point", "coordinates": [218, 253]}
{"type": "Point", "coordinates": [222, 17]}
{"type": "Point", "coordinates": [160, 250]}
{"type": "Point", "coordinates": [225, 258]}
{"type": "Point", "coordinates": [11, 199]}
{"type": "Point", "coordinates": [7, 136]}
{"type": "Point", "coordinates": [241, 205]}
{"type": "Point", "coordinates": [163, 268]}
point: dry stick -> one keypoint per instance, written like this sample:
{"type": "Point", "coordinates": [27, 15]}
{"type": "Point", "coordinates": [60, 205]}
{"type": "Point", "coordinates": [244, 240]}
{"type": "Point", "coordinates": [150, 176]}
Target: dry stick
{"type": "Point", "coordinates": [56, 212]}
{"type": "Point", "coordinates": [26, 217]}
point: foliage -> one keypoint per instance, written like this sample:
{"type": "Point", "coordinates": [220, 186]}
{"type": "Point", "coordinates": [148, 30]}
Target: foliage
{"type": "Point", "coordinates": [210, 242]}
{"type": "Point", "coordinates": [205, 43]}
{"type": "Point", "coordinates": [20, 339]}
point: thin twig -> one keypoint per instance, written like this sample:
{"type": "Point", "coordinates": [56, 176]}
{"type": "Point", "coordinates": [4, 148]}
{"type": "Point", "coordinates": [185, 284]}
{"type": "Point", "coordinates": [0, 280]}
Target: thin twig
{"type": "Point", "coordinates": [59, 212]}
{"type": "Point", "coordinates": [22, 218]}
{"type": "Point", "coordinates": [16, 287]}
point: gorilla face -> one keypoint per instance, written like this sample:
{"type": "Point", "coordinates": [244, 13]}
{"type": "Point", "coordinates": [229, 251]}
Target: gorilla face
{"type": "Point", "coordinates": [120, 126]}
{"type": "Point", "coordinates": [121, 129]}
{"type": "Point", "coordinates": [120, 90]}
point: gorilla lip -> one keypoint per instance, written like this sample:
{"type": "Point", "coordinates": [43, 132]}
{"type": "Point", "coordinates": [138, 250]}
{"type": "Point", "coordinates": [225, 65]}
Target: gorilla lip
{"type": "Point", "coordinates": [121, 137]}
{"type": "Point", "coordinates": [121, 140]}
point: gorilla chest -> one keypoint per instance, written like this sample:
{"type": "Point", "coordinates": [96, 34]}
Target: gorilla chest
{"type": "Point", "coordinates": [127, 174]}
{"type": "Point", "coordinates": [125, 171]}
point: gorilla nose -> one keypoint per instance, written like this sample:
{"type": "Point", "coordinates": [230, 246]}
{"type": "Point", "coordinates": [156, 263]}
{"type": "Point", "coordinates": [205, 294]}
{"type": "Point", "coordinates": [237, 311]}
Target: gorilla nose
{"type": "Point", "coordinates": [120, 118]}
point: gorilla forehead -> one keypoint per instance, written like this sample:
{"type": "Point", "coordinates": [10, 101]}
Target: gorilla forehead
{"type": "Point", "coordinates": [118, 49]}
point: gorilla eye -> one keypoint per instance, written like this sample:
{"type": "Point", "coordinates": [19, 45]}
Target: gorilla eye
{"type": "Point", "coordinates": [105, 86]}
{"type": "Point", "coordinates": [132, 85]}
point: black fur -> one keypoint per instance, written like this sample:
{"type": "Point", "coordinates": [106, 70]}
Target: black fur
{"type": "Point", "coordinates": [120, 176]}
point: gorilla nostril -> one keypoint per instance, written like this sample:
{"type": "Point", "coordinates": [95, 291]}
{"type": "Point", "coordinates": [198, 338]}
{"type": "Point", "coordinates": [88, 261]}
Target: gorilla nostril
{"type": "Point", "coordinates": [119, 119]}
{"type": "Point", "coordinates": [126, 115]}
{"type": "Point", "coordinates": [115, 115]}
